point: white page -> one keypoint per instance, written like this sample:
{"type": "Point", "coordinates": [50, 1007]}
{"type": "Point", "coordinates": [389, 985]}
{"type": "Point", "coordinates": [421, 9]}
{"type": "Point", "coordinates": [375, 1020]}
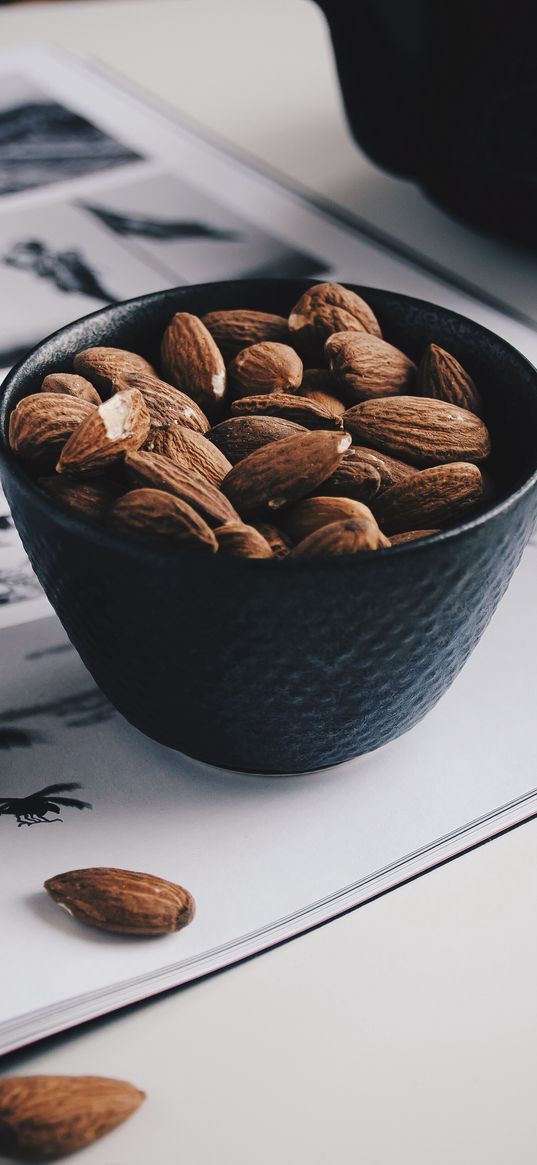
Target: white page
{"type": "Point", "coordinates": [265, 859]}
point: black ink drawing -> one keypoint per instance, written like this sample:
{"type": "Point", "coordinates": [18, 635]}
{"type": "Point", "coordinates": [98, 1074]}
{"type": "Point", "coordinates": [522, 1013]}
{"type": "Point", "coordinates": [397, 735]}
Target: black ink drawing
{"type": "Point", "coordinates": [42, 141]}
{"type": "Point", "coordinates": [18, 584]}
{"type": "Point", "coordinates": [158, 228]}
{"type": "Point", "coordinates": [78, 711]}
{"type": "Point", "coordinates": [33, 810]}
{"type": "Point", "coordinates": [69, 271]}
{"type": "Point", "coordinates": [19, 738]}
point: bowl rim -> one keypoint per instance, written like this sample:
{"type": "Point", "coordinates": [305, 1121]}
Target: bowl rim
{"type": "Point", "coordinates": [165, 554]}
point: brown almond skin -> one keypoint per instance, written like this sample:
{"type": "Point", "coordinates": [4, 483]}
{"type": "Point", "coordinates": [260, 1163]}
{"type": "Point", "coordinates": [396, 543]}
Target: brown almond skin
{"type": "Point", "coordinates": [239, 436]}
{"type": "Point", "coordinates": [288, 407]}
{"type": "Point", "coordinates": [238, 540]}
{"type": "Point", "coordinates": [234, 330]}
{"type": "Point", "coordinates": [283, 472]}
{"type": "Point", "coordinates": [331, 404]}
{"type": "Point", "coordinates": [411, 536]}
{"type": "Point", "coordinates": [157, 516]}
{"type": "Point", "coordinates": [326, 308]}
{"type": "Point", "coordinates": [278, 540]}
{"type": "Point", "coordinates": [265, 368]}
{"type": "Point", "coordinates": [193, 363]}
{"type": "Point", "coordinates": [153, 471]}
{"type": "Point", "coordinates": [350, 536]}
{"type": "Point", "coordinates": [190, 450]}
{"type": "Point", "coordinates": [353, 478]}
{"type": "Point", "coordinates": [122, 901]}
{"type": "Point", "coordinates": [432, 497]}
{"type": "Point", "coordinates": [441, 376]}
{"type": "Point", "coordinates": [41, 424]}
{"type": "Point", "coordinates": [390, 469]}
{"type": "Point", "coordinates": [90, 499]}
{"type": "Point", "coordinates": [46, 1117]}
{"type": "Point", "coordinates": [103, 366]}
{"type": "Point", "coordinates": [98, 442]}
{"type": "Point", "coordinates": [418, 430]}
{"type": "Point", "coordinates": [69, 384]}
{"type": "Point", "coordinates": [311, 514]}
{"type": "Point", "coordinates": [166, 405]}
{"type": "Point", "coordinates": [368, 366]}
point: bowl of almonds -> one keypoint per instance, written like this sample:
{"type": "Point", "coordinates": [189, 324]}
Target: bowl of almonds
{"type": "Point", "coordinates": [273, 516]}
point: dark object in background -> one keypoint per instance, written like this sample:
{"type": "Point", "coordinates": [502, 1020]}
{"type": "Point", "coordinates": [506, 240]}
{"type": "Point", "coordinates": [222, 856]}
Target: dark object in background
{"type": "Point", "coordinates": [445, 93]}
{"type": "Point", "coordinates": [250, 666]}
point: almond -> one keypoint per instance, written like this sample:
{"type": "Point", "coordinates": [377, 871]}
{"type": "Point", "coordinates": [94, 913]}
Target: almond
{"type": "Point", "coordinates": [45, 1117]}
{"type": "Point", "coordinates": [41, 424]}
{"type": "Point", "coordinates": [122, 901]}
{"type": "Point", "coordinates": [167, 406]}
{"type": "Point", "coordinates": [157, 472]}
{"type": "Point", "coordinates": [193, 363]}
{"type": "Point", "coordinates": [368, 367]}
{"type": "Point", "coordinates": [350, 536]}
{"type": "Point", "coordinates": [327, 308]}
{"type": "Point", "coordinates": [389, 469]}
{"type": "Point", "coordinates": [353, 478]}
{"type": "Point", "coordinates": [283, 471]}
{"type": "Point", "coordinates": [441, 376]}
{"type": "Point", "coordinates": [119, 424]}
{"type": "Point", "coordinates": [330, 404]}
{"type": "Point", "coordinates": [278, 540]}
{"type": "Point", "coordinates": [189, 450]}
{"type": "Point", "coordinates": [240, 541]}
{"type": "Point", "coordinates": [312, 513]}
{"type": "Point", "coordinates": [69, 384]}
{"type": "Point", "coordinates": [431, 498]}
{"type": "Point", "coordinates": [239, 436]}
{"type": "Point", "coordinates": [234, 330]}
{"type": "Point", "coordinates": [419, 430]}
{"type": "Point", "coordinates": [152, 514]}
{"type": "Point", "coordinates": [103, 366]}
{"type": "Point", "coordinates": [411, 536]}
{"type": "Point", "coordinates": [288, 407]}
{"type": "Point", "coordinates": [264, 368]}
{"type": "Point", "coordinates": [90, 499]}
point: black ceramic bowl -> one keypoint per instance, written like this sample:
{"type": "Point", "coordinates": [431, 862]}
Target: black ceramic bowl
{"type": "Point", "coordinates": [268, 666]}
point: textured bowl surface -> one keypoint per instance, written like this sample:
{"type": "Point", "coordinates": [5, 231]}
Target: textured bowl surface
{"type": "Point", "coordinates": [270, 667]}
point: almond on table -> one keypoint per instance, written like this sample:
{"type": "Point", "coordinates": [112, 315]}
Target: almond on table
{"type": "Point", "coordinates": [46, 1117]}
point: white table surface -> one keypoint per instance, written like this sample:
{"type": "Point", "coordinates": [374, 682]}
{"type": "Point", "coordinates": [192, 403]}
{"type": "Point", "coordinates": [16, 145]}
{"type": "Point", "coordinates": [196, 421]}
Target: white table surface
{"type": "Point", "coordinates": [405, 1031]}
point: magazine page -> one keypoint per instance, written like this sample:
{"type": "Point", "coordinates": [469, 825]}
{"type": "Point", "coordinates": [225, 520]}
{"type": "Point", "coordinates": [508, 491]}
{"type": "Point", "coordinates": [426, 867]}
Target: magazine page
{"type": "Point", "coordinates": [103, 197]}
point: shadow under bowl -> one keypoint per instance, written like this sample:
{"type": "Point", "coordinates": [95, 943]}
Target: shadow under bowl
{"type": "Point", "coordinates": [267, 666]}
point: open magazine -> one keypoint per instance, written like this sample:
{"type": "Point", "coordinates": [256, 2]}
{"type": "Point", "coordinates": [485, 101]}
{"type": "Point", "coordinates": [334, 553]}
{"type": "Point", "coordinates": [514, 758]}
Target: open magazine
{"type": "Point", "coordinates": [103, 197]}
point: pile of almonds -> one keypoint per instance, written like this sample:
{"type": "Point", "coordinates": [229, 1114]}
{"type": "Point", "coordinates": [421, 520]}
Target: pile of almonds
{"type": "Point", "coordinates": [262, 437]}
